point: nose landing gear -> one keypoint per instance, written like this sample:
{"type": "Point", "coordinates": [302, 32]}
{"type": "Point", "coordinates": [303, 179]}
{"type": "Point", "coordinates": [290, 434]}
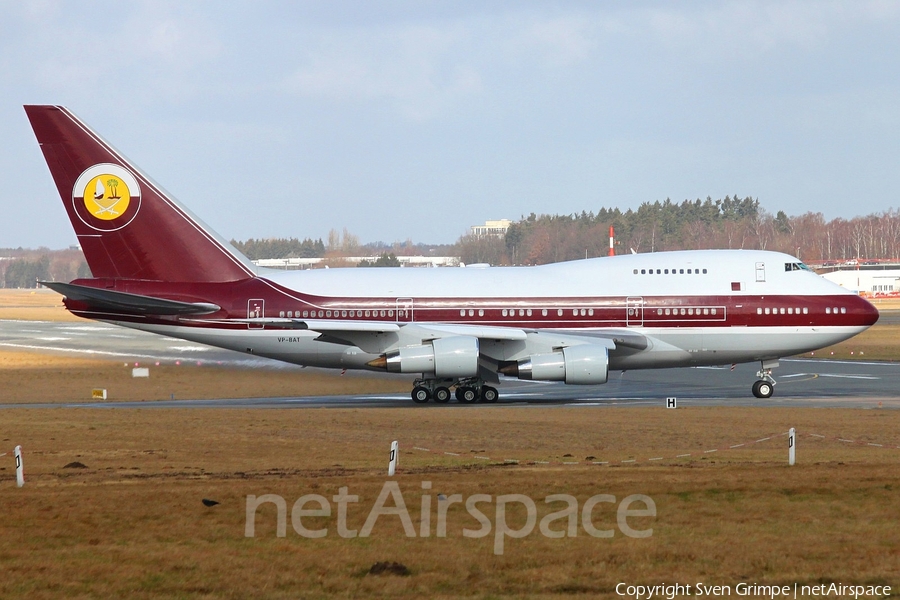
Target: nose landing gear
{"type": "Point", "coordinates": [765, 387]}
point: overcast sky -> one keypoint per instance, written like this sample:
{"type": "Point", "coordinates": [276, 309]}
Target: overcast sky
{"type": "Point", "coordinates": [418, 119]}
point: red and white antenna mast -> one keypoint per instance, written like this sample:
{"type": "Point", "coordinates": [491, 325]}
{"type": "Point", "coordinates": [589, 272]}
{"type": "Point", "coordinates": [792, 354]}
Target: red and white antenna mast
{"type": "Point", "coordinates": [612, 241]}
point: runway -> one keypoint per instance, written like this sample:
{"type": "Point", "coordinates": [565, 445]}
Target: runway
{"type": "Point", "coordinates": [800, 382]}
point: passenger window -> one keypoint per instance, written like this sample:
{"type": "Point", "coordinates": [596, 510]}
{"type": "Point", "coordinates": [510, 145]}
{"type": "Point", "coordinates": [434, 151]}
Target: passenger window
{"type": "Point", "coordinates": [503, 312]}
{"type": "Point", "coordinates": [635, 271]}
{"type": "Point", "coordinates": [559, 312]}
{"type": "Point", "coordinates": [827, 310]}
{"type": "Point", "coordinates": [758, 311]}
{"type": "Point", "coordinates": [544, 312]}
{"type": "Point", "coordinates": [480, 312]}
{"type": "Point", "coordinates": [281, 314]}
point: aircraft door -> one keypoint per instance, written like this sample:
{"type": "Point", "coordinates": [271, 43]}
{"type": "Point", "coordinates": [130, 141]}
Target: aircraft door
{"type": "Point", "coordinates": [256, 309]}
{"type": "Point", "coordinates": [760, 272]}
{"type": "Point", "coordinates": [404, 310]}
{"type": "Point", "coordinates": [634, 311]}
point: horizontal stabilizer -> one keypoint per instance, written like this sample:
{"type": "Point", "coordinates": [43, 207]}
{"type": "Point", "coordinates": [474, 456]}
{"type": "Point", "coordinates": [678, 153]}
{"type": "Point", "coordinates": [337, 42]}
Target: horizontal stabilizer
{"type": "Point", "coordinates": [133, 304]}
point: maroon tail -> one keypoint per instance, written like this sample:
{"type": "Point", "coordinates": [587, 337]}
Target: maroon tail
{"type": "Point", "coordinates": [128, 227]}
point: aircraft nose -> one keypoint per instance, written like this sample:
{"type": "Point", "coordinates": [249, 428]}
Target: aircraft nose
{"type": "Point", "coordinates": [866, 311]}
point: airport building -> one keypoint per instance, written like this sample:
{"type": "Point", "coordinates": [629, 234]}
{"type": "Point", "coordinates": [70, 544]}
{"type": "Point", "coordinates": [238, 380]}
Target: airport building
{"type": "Point", "coordinates": [870, 282]}
{"type": "Point", "coordinates": [493, 228]}
{"type": "Point", "coordinates": [318, 263]}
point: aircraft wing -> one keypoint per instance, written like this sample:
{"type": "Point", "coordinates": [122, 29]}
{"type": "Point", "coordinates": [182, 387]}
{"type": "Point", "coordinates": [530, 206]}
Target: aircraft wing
{"type": "Point", "coordinates": [104, 300]}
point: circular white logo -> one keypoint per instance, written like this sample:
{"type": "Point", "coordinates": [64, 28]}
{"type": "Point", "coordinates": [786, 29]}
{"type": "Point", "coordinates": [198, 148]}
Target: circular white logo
{"type": "Point", "coordinates": [106, 197]}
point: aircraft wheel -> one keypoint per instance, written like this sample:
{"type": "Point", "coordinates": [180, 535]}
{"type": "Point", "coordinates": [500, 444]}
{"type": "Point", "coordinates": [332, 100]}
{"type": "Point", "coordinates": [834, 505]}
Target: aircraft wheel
{"type": "Point", "coordinates": [420, 394]}
{"type": "Point", "coordinates": [441, 395]}
{"type": "Point", "coordinates": [467, 395]}
{"type": "Point", "coordinates": [763, 389]}
{"type": "Point", "coordinates": [489, 394]}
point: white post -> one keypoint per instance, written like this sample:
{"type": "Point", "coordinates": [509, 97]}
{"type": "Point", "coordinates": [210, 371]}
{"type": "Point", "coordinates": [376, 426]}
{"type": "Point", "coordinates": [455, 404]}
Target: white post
{"type": "Point", "coordinates": [20, 473]}
{"type": "Point", "coordinates": [792, 447]}
{"type": "Point", "coordinates": [392, 466]}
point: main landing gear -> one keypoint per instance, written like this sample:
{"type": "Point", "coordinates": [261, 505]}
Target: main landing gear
{"type": "Point", "coordinates": [468, 391]}
{"type": "Point", "coordinates": [765, 387]}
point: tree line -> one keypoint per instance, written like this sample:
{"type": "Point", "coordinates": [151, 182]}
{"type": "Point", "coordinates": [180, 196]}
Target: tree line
{"type": "Point", "coordinates": [731, 222]}
{"type": "Point", "coordinates": [24, 268]}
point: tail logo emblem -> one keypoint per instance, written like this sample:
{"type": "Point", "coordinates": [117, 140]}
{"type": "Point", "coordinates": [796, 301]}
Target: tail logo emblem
{"type": "Point", "coordinates": [106, 197]}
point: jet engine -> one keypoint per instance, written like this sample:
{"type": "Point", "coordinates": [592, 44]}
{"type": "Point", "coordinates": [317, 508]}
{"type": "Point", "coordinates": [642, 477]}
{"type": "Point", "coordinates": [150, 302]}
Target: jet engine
{"type": "Point", "coordinates": [455, 356]}
{"type": "Point", "coordinates": [587, 364]}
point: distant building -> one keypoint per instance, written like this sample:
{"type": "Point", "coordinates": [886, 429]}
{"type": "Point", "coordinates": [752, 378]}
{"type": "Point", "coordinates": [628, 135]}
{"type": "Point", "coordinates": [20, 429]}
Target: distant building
{"type": "Point", "coordinates": [494, 228]}
{"type": "Point", "coordinates": [868, 282]}
{"type": "Point", "coordinates": [315, 263]}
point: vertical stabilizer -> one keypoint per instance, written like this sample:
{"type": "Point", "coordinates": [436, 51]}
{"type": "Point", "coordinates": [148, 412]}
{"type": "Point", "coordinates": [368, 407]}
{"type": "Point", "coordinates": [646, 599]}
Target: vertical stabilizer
{"type": "Point", "coordinates": [128, 226]}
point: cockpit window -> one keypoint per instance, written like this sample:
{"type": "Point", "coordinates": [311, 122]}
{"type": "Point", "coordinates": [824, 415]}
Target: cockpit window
{"type": "Point", "coordinates": [796, 267]}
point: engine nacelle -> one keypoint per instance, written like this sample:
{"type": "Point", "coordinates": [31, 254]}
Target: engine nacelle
{"type": "Point", "coordinates": [455, 356]}
{"type": "Point", "coordinates": [587, 364]}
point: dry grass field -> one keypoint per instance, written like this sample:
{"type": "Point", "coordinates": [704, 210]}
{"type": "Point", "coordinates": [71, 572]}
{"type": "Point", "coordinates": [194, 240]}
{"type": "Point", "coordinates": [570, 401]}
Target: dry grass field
{"type": "Point", "coordinates": [129, 522]}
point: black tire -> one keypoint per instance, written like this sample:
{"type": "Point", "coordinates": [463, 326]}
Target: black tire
{"type": "Point", "coordinates": [441, 395]}
{"type": "Point", "coordinates": [489, 394]}
{"type": "Point", "coordinates": [763, 389]}
{"type": "Point", "coordinates": [467, 395]}
{"type": "Point", "coordinates": [421, 394]}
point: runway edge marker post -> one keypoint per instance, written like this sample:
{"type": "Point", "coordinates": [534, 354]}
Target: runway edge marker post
{"type": "Point", "coordinates": [392, 466]}
{"type": "Point", "coordinates": [20, 471]}
{"type": "Point", "coordinates": [792, 447]}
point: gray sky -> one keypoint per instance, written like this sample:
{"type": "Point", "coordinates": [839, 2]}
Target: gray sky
{"type": "Point", "coordinates": [418, 119]}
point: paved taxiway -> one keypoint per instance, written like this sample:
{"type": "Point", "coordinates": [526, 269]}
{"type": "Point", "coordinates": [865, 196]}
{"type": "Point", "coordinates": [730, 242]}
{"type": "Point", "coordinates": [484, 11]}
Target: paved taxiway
{"type": "Point", "coordinates": [801, 382]}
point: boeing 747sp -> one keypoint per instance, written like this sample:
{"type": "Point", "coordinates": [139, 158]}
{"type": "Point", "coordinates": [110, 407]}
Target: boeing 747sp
{"type": "Point", "coordinates": [158, 268]}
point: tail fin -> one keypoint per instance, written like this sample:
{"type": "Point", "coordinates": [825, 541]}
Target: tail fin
{"type": "Point", "coordinates": [127, 225]}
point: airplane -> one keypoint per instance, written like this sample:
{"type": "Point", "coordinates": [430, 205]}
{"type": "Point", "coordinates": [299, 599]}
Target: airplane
{"type": "Point", "coordinates": [157, 267]}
